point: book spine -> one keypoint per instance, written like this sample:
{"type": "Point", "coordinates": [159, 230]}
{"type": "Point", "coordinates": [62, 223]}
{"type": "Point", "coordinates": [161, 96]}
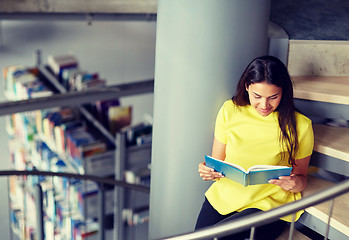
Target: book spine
{"type": "Point", "coordinates": [246, 179]}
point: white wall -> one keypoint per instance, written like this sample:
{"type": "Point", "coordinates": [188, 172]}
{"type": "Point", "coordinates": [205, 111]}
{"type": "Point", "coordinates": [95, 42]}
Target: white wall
{"type": "Point", "coordinates": [202, 48]}
{"type": "Point", "coordinates": [120, 51]}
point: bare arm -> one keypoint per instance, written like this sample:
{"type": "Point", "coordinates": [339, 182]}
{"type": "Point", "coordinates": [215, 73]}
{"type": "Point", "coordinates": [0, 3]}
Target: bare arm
{"type": "Point", "coordinates": [218, 151]}
{"type": "Point", "coordinates": [298, 179]}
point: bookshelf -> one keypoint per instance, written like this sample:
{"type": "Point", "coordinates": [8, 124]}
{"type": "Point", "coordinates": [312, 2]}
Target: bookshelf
{"type": "Point", "coordinates": [34, 145]}
{"type": "Point", "coordinates": [69, 206]}
{"type": "Point", "coordinates": [132, 163]}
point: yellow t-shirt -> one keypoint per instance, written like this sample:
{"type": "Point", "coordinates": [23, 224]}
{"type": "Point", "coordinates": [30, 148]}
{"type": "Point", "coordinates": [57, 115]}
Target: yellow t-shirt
{"type": "Point", "coordinates": [252, 139]}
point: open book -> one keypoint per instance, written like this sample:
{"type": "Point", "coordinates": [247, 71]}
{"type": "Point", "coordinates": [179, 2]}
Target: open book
{"type": "Point", "coordinates": [258, 174]}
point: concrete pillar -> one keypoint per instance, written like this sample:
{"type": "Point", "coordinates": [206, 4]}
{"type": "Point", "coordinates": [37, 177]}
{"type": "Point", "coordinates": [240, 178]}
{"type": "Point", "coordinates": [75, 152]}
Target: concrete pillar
{"type": "Point", "coordinates": [202, 47]}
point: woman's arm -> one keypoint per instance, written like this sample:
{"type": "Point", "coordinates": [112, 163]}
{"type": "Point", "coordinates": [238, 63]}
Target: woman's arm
{"type": "Point", "coordinates": [298, 179]}
{"type": "Point", "coordinates": [218, 151]}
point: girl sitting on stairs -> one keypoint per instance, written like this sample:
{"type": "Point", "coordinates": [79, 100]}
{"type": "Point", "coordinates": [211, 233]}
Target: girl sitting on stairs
{"type": "Point", "coordinates": [258, 126]}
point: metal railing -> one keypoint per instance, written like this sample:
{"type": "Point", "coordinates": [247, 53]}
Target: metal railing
{"type": "Point", "coordinates": [102, 180]}
{"type": "Point", "coordinates": [258, 219]}
{"type": "Point", "coordinates": [224, 229]}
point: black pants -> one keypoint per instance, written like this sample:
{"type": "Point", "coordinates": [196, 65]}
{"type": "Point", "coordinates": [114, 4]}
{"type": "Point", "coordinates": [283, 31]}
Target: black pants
{"type": "Point", "coordinates": [208, 216]}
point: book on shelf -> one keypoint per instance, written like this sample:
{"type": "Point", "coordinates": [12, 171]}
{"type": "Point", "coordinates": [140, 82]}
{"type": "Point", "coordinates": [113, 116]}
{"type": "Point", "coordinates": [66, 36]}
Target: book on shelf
{"type": "Point", "coordinates": [55, 118]}
{"type": "Point", "coordinates": [14, 74]}
{"type": "Point", "coordinates": [58, 63]}
{"type": "Point", "coordinates": [82, 144]}
{"type": "Point", "coordinates": [77, 80]}
{"type": "Point", "coordinates": [138, 134]}
{"type": "Point", "coordinates": [67, 75]}
{"type": "Point", "coordinates": [60, 133]}
{"type": "Point", "coordinates": [258, 174]}
{"type": "Point", "coordinates": [119, 117]}
{"type": "Point", "coordinates": [84, 81]}
{"type": "Point", "coordinates": [92, 148]}
{"type": "Point", "coordinates": [23, 83]}
{"type": "Point", "coordinates": [94, 83]}
{"type": "Point", "coordinates": [102, 107]}
{"type": "Point", "coordinates": [144, 139]}
{"type": "Point", "coordinates": [31, 88]}
{"type": "Point", "coordinates": [136, 216]}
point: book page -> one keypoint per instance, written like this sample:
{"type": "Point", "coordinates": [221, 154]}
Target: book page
{"type": "Point", "coordinates": [231, 164]}
{"type": "Point", "coordinates": [253, 168]}
{"type": "Point", "coordinates": [265, 167]}
{"type": "Point", "coordinates": [263, 176]}
{"type": "Point", "coordinates": [231, 172]}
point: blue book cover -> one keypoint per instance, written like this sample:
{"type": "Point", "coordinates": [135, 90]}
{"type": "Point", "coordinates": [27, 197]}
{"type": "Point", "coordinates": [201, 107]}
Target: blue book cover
{"type": "Point", "coordinates": [258, 174]}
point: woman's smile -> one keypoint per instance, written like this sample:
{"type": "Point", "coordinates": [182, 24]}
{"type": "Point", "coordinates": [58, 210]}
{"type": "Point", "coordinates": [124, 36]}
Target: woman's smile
{"type": "Point", "coordinates": [264, 97]}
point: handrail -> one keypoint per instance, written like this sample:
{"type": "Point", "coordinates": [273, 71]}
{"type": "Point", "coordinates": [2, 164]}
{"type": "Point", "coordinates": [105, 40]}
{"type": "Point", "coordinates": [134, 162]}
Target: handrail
{"type": "Point", "coordinates": [88, 17]}
{"type": "Point", "coordinates": [78, 97]}
{"type": "Point", "coordinates": [262, 218]}
{"type": "Point", "coordinates": [219, 230]}
{"type": "Point", "coordinates": [102, 180]}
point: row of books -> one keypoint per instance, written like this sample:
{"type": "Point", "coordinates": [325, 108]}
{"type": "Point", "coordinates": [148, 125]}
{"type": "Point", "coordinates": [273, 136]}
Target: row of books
{"type": "Point", "coordinates": [69, 138]}
{"type": "Point", "coordinates": [23, 216]}
{"type": "Point", "coordinates": [23, 83]}
{"type": "Point", "coordinates": [138, 134]}
{"type": "Point", "coordinates": [67, 70]}
{"type": "Point", "coordinates": [64, 216]}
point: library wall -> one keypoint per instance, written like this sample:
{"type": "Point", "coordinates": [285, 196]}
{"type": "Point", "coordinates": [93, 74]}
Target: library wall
{"type": "Point", "coordinates": [120, 52]}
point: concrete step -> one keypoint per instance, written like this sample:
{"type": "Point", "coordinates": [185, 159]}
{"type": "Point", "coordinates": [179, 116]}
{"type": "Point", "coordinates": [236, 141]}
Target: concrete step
{"type": "Point", "coordinates": [332, 141]}
{"type": "Point", "coordinates": [331, 89]}
{"type": "Point", "coordinates": [319, 70]}
{"type": "Point", "coordinates": [340, 219]}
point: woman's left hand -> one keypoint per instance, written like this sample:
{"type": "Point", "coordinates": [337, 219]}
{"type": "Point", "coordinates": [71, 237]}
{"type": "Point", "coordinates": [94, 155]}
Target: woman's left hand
{"type": "Point", "coordinates": [292, 183]}
{"type": "Point", "coordinates": [297, 181]}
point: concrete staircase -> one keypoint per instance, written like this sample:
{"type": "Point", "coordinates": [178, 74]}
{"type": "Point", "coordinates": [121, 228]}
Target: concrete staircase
{"type": "Point", "coordinates": [320, 70]}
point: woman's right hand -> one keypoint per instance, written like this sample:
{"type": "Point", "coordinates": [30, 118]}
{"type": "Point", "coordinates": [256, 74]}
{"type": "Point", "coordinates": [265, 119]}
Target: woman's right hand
{"type": "Point", "coordinates": [207, 173]}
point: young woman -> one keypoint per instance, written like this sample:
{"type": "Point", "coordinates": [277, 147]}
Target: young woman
{"type": "Point", "coordinates": [259, 125]}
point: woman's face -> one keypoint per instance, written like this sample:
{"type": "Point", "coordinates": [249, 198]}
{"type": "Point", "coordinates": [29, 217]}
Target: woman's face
{"type": "Point", "coordinates": [264, 97]}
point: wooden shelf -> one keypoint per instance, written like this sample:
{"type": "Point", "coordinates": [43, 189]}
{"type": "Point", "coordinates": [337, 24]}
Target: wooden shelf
{"type": "Point", "coordinates": [332, 89]}
{"type": "Point", "coordinates": [340, 219]}
{"type": "Point", "coordinates": [332, 141]}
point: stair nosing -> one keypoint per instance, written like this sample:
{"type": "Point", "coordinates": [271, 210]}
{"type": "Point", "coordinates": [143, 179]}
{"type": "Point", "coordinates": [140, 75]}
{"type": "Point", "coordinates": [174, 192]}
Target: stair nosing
{"type": "Point", "coordinates": [320, 94]}
{"type": "Point", "coordinates": [330, 150]}
{"type": "Point", "coordinates": [321, 210]}
{"type": "Point", "coordinates": [313, 211]}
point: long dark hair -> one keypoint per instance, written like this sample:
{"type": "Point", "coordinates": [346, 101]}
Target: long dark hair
{"type": "Point", "coordinates": [271, 70]}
